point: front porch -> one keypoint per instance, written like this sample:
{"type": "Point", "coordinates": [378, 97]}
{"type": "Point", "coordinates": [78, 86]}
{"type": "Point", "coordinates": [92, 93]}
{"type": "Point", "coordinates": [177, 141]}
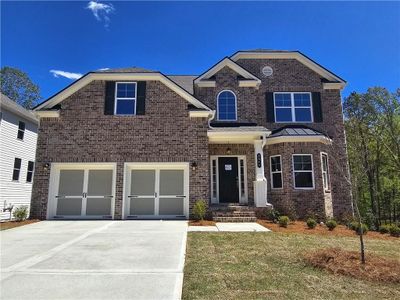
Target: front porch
{"type": "Point", "coordinates": [237, 177]}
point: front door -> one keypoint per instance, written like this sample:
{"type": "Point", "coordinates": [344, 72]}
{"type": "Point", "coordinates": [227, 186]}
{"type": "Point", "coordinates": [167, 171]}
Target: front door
{"type": "Point", "coordinates": [228, 177]}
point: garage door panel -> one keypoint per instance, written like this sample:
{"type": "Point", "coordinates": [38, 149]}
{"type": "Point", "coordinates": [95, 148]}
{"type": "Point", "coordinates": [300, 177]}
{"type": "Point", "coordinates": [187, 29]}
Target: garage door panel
{"type": "Point", "coordinates": [71, 182]}
{"type": "Point", "coordinates": [69, 206]}
{"type": "Point", "coordinates": [171, 182]}
{"type": "Point", "coordinates": [98, 206]}
{"type": "Point", "coordinates": [142, 206]}
{"type": "Point", "coordinates": [143, 182]}
{"type": "Point", "coordinates": [100, 182]}
{"type": "Point", "coordinates": [171, 206]}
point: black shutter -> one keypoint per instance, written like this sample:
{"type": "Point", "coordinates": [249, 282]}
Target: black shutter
{"type": "Point", "coordinates": [269, 104]}
{"type": "Point", "coordinates": [141, 98]}
{"type": "Point", "coordinates": [110, 98]}
{"type": "Point", "coordinates": [317, 107]}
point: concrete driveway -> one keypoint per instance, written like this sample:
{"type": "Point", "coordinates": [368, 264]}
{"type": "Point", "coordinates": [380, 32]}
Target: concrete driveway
{"type": "Point", "coordinates": [93, 260]}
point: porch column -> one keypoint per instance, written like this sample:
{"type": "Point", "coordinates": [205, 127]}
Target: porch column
{"type": "Point", "coordinates": [260, 184]}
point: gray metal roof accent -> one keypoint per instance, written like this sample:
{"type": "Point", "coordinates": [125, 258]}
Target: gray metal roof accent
{"type": "Point", "coordinates": [12, 106]}
{"type": "Point", "coordinates": [185, 81]}
{"type": "Point", "coordinates": [295, 131]}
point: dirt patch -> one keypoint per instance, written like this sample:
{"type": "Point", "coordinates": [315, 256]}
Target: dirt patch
{"type": "Point", "coordinates": [13, 224]}
{"type": "Point", "coordinates": [340, 230]}
{"type": "Point", "coordinates": [339, 261]}
{"type": "Point", "coordinates": [201, 223]}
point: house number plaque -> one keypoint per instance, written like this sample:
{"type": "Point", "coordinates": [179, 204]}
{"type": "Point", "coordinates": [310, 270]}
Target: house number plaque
{"type": "Point", "coordinates": [258, 160]}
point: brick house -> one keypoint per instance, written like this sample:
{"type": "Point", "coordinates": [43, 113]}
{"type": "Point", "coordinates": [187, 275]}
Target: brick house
{"type": "Point", "coordinates": [258, 128]}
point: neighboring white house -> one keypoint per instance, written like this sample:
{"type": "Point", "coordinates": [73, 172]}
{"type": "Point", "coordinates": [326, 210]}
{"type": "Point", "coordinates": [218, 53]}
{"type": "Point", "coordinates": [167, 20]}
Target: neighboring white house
{"type": "Point", "coordinates": [18, 135]}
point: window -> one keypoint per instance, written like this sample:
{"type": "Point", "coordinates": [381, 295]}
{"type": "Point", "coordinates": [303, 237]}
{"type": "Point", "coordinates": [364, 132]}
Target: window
{"type": "Point", "coordinates": [29, 174]}
{"type": "Point", "coordinates": [21, 130]}
{"type": "Point", "coordinates": [17, 169]}
{"type": "Point", "coordinates": [303, 171]}
{"type": "Point", "coordinates": [293, 107]}
{"type": "Point", "coordinates": [226, 106]}
{"type": "Point", "coordinates": [242, 181]}
{"type": "Point", "coordinates": [276, 172]}
{"type": "Point", "coordinates": [125, 98]}
{"type": "Point", "coordinates": [325, 171]}
{"type": "Point", "coordinates": [214, 178]}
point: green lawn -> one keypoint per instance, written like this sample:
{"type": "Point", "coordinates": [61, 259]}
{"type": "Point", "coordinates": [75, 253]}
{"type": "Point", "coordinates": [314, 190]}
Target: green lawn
{"type": "Point", "coordinates": [270, 266]}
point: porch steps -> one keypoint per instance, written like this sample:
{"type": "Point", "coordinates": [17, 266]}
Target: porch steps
{"type": "Point", "coordinates": [233, 213]}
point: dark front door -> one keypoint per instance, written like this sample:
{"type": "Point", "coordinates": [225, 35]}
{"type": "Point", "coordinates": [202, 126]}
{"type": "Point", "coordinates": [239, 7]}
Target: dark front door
{"type": "Point", "coordinates": [228, 177]}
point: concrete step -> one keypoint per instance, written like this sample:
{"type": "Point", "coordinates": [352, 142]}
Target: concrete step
{"type": "Point", "coordinates": [234, 214]}
{"type": "Point", "coordinates": [235, 219]}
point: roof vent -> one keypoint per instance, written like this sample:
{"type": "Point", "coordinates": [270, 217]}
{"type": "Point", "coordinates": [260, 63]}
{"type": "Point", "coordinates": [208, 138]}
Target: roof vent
{"type": "Point", "coordinates": [267, 71]}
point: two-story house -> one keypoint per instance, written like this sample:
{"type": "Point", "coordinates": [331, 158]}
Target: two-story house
{"type": "Point", "coordinates": [18, 135]}
{"type": "Point", "coordinates": [260, 127]}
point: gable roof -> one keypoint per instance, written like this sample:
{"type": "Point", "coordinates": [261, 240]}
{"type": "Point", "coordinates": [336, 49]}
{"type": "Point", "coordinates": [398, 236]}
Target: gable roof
{"type": "Point", "coordinates": [120, 75]}
{"type": "Point", "coordinates": [185, 81]}
{"type": "Point", "coordinates": [227, 62]}
{"type": "Point", "coordinates": [12, 106]}
{"type": "Point", "coordinates": [286, 54]}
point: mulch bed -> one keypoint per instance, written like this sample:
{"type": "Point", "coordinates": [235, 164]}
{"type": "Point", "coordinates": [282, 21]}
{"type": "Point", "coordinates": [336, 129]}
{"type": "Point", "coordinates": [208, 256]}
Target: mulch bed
{"type": "Point", "coordinates": [343, 262]}
{"type": "Point", "coordinates": [340, 230]}
{"type": "Point", "coordinates": [201, 223]}
{"type": "Point", "coordinates": [12, 224]}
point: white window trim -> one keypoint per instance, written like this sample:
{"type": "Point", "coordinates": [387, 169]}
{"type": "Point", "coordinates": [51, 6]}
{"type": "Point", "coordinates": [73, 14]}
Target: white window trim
{"type": "Point", "coordinates": [274, 172]}
{"type": "Point", "coordinates": [293, 107]}
{"type": "Point", "coordinates": [116, 98]}
{"type": "Point", "coordinates": [236, 116]}
{"type": "Point", "coordinates": [303, 171]}
{"type": "Point", "coordinates": [242, 200]}
{"type": "Point", "coordinates": [328, 188]}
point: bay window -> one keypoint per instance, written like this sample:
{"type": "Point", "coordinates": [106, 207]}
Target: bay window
{"type": "Point", "coordinates": [303, 172]}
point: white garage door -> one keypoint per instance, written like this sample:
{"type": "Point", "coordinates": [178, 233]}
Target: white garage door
{"type": "Point", "coordinates": [82, 192]}
{"type": "Point", "coordinates": [156, 191]}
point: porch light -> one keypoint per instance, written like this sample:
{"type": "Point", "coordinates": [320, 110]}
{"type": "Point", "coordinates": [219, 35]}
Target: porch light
{"type": "Point", "coordinates": [228, 151]}
{"type": "Point", "coordinates": [194, 165]}
{"type": "Point", "coordinates": [46, 166]}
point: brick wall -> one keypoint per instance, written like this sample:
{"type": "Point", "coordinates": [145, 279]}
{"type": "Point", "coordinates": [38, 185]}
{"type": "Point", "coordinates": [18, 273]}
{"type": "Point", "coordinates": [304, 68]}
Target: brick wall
{"type": "Point", "coordinates": [83, 133]}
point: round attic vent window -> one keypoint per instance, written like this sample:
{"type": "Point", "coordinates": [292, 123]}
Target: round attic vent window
{"type": "Point", "coordinates": [267, 71]}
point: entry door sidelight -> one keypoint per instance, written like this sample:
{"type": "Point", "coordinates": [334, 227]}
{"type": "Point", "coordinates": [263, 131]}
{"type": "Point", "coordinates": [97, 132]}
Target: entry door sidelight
{"type": "Point", "coordinates": [143, 195]}
{"type": "Point", "coordinates": [228, 177]}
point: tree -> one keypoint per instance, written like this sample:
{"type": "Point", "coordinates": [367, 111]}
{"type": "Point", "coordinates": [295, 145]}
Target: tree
{"type": "Point", "coordinates": [17, 86]}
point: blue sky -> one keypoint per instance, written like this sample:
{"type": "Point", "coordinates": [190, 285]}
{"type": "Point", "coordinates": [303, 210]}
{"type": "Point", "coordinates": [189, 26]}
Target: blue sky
{"type": "Point", "coordinates": [359, 41]}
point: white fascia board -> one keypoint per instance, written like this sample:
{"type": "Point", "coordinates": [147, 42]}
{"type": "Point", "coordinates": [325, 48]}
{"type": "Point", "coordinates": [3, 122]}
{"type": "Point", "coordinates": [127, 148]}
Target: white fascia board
{"type": "Point", "coordinates": [299, 139]}
{"type": "Point", "coordinates": [200, 113]}
{"type": "Point", "coordinates": [121, 77]}
{"type": "Point", "coordinates": [240, 137]}
{"type": "Point", "coordinates": [333, 85]}
{"type": "Point", "coordinates": [227, 63]}
{"type": "Point", "coordinates": [206, 83]}
{"type": "Point", "coordinates": [288, 55]}
{"type": "Point", "coordinates": [249, 83]}
{"type": "Point", "coordinates": [47, 113]}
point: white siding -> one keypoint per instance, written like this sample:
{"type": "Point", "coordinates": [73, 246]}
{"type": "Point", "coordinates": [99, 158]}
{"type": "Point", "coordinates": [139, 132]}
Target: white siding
{"type": "Point", "coordinates": [15, 192]}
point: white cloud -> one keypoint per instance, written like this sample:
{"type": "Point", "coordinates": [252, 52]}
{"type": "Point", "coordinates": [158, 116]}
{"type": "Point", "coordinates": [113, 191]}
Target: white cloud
{"type": "Point", "coordinates": [101, 11]}
{"type": "Point", "coordinates": [69, 75]}
{"type": "Point", "coordinates": [104, 69]}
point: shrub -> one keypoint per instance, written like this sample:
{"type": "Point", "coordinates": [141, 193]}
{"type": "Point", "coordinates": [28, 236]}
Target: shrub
{"type": "Point", "coordinates": [384, 229]}
{"type": "Point", "coordinates": [394, 230]}
{"type": "Point", "coordinates": [356, 227]}
{"type": "Point", "coordinates": [199, 210]}
{"type": "Point", "coordinates": [331, 224]}
{"type": "Point", "coordinates": [283, 221]}
{"type": "Point", "coordinates": [311, 223]}
{"type": "Point", "coordinates": [20, 213]}
{"type": "Point", "coordinates": [273, 215]}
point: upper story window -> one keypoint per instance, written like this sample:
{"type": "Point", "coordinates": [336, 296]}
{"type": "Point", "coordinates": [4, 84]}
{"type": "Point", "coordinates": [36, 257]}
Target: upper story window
{"type": "Point", "coordinates": [226, 106]}
{"type": "Point", "coordinates": [293, 107]}
{"type": "Point", "coordinates": [21, 130]}
{"type": "Point", "coordinates": [125, 98]}
{"type": "Point", "coordinates": [303, 171]}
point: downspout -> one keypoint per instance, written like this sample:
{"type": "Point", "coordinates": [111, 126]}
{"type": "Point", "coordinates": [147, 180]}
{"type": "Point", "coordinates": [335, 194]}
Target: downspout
{"type": "Point", "coordinates": [211, 118]}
